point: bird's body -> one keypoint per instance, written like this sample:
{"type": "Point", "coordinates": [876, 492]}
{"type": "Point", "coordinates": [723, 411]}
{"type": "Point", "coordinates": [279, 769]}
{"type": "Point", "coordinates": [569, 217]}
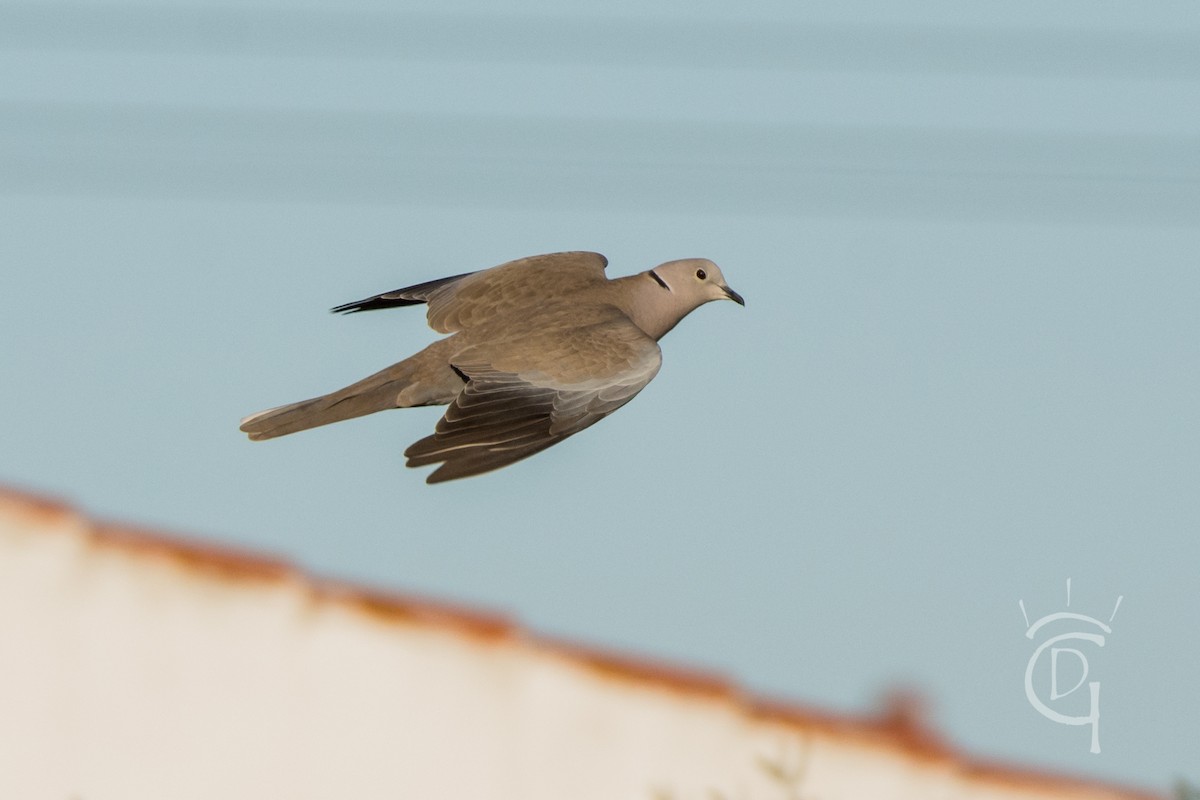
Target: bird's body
{"type": "Point", "coordinates": [539, 349]}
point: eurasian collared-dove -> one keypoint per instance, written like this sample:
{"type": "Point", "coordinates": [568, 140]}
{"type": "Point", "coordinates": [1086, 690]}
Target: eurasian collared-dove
{"type": "Point", "coordinates": [541, 348]}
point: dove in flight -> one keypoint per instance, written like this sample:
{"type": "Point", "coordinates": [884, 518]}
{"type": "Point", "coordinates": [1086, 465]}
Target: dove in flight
{"type": "Point", "coordinates": [539, 349]}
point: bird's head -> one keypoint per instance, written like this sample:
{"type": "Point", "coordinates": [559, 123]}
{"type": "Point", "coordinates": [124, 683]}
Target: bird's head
{"type": "Point", "coordinates": [694, 281]}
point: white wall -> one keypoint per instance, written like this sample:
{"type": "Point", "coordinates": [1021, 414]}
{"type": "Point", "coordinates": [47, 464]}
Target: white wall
{"type": "Point", "coordinates": [134, 667]}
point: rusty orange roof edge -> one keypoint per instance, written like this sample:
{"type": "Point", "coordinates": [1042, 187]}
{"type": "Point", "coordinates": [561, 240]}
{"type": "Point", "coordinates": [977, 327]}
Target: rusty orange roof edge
{"type": "Point", "coordinates": [641, 669]}
{"type": "Point", "coordinates": [36, 504]}
{"type": "Point", "coordinates": [228, 562]}
{"type": "Point", "coordinates": [921, 742]}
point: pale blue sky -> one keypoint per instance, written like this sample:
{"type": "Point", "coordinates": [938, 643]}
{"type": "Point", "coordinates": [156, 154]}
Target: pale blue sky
{"type": "Point", "coordinates": [968, 369]}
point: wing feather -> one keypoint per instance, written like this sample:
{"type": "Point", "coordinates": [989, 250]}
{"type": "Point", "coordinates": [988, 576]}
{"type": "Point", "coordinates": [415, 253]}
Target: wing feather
{"type": "Point", "coordinates": [504, 415]}
{"type": "Point", "coordinates": [472, 298]}
{"type": "Point", "coordinates": [408, 296]}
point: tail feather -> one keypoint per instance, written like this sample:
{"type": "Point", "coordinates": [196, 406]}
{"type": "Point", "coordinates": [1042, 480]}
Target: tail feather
{"type": "Point", "coordinates": [376, 393]}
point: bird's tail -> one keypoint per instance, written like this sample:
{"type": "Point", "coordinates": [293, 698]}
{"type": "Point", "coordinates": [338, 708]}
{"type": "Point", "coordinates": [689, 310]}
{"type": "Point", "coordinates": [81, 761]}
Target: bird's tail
{"type": "Point", "coordinates": [375, 393]}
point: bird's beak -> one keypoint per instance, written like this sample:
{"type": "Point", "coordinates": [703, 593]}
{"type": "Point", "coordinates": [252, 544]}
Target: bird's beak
{"type": "Point", "coordinates": [734, 296]}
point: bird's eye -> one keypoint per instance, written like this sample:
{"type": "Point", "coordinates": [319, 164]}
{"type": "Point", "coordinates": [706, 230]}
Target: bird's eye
{"type": "Point", "coordinates": [701, 274]}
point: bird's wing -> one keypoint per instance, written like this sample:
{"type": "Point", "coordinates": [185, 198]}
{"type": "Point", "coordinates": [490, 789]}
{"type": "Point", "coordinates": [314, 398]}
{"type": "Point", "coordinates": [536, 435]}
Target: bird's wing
{"type": "Point", "coordinates": [408, 296]}
{"type": "Point", "coordinates": [523, 398]}
{"type": "Point", "coordinates": [462, 301]}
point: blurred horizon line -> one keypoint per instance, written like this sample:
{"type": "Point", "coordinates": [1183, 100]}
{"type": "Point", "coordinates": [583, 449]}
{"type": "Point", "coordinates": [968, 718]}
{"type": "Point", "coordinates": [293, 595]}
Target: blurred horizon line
{"type": "Point", "coordinates": [521, 160]}
{"type": "Point", "coordinates": [611, 40]}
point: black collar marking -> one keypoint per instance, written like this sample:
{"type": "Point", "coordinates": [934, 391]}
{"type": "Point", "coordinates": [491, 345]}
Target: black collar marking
{"type": "Point", "coordinates": [659, 280]}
